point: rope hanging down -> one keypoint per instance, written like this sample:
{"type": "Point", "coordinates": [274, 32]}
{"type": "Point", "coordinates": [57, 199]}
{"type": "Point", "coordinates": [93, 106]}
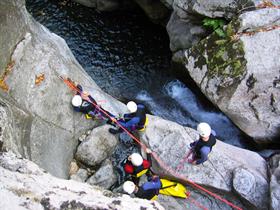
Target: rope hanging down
{"type": "Point", "coordinates": [72, 86]}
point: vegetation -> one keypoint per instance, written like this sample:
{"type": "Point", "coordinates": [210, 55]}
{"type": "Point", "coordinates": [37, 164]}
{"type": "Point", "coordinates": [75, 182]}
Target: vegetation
{"type": "Point", "coordinates": [216, 25]}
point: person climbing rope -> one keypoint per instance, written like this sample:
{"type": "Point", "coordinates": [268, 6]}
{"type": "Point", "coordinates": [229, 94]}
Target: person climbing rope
{"type": "Point", "coordinates": [135, 120]}
{"type": "Point", "coordinates": [136, 166]}
{"type": "Point", "coordinates": [85, 103]}
{"type": "Point", "coordinates": [154, 186]}
{"type": "Point", "coordinates": [203, 146]}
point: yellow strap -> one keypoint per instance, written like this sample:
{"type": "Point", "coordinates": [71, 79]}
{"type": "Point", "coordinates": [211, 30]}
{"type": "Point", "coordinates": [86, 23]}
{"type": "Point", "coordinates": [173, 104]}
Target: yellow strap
{"type": "Point", "coordinates": [154, 198]}
{"type": "Point", "coordinates": [145, 125]}
{"type": "Point", "coordinates": [88, 116]}
{"type": "Point", "coordinates": [141, 173]}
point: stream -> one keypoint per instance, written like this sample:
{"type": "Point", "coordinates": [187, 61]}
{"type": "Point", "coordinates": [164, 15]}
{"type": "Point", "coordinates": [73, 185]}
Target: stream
{"type": "Point", "coordinates": [129, 58]}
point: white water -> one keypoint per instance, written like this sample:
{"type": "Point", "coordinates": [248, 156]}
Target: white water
{"type": "Point", "coordinates": [186, 110]}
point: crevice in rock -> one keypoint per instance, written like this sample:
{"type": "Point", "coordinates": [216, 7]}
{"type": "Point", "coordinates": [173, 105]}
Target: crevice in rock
{"type": "Point", "coordinates": [250, 82]}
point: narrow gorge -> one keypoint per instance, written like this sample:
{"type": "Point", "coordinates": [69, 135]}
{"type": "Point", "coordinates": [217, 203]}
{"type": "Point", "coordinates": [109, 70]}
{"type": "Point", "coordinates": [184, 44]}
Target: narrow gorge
{"type": "Point", "coordinates": [44, 142]}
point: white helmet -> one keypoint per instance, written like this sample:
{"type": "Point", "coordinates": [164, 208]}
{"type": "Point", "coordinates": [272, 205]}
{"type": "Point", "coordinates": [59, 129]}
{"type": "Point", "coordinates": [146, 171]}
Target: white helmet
{"type": "Point", "coordinates": [136, 159]}
{"type": "Point", "coordinates": [132, 106]}
{"type": "Point", "coordinates": [129, 187]}
{"type": "Point", "coordinates": [77, 101]}
{"type": "Point", "coordinates": [204, 129]}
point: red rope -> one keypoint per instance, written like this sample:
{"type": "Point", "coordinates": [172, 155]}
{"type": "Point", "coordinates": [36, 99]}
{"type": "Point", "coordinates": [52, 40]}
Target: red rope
{"type": "Point", "coordinates": [72, 86]}
{"type": "Point", "coordinates": [197, 203]}
{"type": "Point", "coordinates": [183, 160]}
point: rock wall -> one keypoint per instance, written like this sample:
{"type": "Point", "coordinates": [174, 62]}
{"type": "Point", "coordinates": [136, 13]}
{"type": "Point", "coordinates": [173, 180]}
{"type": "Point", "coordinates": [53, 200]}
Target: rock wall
{"type": "Point", "coordinates": [41, 123]}
{"type": "Point", "coordinates": [275, 182]}
{"type": "Point", "coordinates": [37, 121]}
{"type": "Point", "coordinates": [25, 186]}
{"type": "Point", "coordinates": [240, 74]}
{"type": "Point", "coordinates": [107, 5]}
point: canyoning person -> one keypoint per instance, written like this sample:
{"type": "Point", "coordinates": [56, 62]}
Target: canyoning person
{"type": "Point", "coordinates": [203, 146]}
{"type": "Point", "coordinates": [136, 166]}
{"type": "Point", "coordinates": [154, 186]}
{"type": "Point", "coordinates": [85, 103]}
{"type": "Point", "coordinates": [136, 119]}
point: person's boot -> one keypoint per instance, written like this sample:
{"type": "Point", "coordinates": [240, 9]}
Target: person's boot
{"type": "Point", "coordinates": [114, 131]}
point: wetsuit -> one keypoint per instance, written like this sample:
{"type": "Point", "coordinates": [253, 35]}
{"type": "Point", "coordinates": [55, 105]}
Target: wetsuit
{"type": "Point", "coordinates": [149, 189]}
{"type": "Point", "coordinates": [89, 107]}
{"type": "Point", "coordinates": [137, 171]}
{"type": "Point", "coordinates": [203, 148]}
{"type": "Point", "coordinates": [136, 120]}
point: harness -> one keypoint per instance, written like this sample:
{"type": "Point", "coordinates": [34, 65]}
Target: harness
{"type": "Point", "coordinates": [210, 143]}
{"type": "Point", "coordinates": [141, 114]}
{"type": "Point", "coordinates": [145, 125]}
{"type": "Point", "coordinates": [142, 172]}
{"type": "Point", "coordinates": [139, 170]}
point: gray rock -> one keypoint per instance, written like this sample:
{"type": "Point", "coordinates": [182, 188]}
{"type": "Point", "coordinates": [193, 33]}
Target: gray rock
{"type": "Point", "coordinates": [170, 142]}
{"type": "Point", "coordinates": [105, 176]}
{"type": "Point", "coordinates": [197, 201]}
{"type": "Point", "coordinates": [82, 137]}
{"type": "Point", "coordinates": [80, 176]}
{"type": "Point", "coordinates": [215, 8]}
{"type": "Point", "coordinates": [183, 33]}
{"type": "Point", "coordinates": [252, 187]}
{"type": "Point", "coordinates": [167, 3]}
{"type": "Point", "coordinates": [13, 163]}
{"type": "Point", "coordinates": [107, 5]}
{"type": "Point", "coordinates": [32, 189]}
{"type": "Point", "coordinates": [6, 130]}
{"type": "Point", "coordinates": [275, 182]}
{"type": "Point", "coordinates": [240, 74]}
{"type": "Point", "coordinates": [155, 10]}
{"type": "Point", "coordinates": [97, 147]}
{"type": "Point", "coordinates": [254, 20]}
{"type": "Point", "coordinates": [44, 126]}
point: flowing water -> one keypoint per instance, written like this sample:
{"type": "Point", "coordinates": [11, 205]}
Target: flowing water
{"type": "Point", "coordinates": [129, 58]}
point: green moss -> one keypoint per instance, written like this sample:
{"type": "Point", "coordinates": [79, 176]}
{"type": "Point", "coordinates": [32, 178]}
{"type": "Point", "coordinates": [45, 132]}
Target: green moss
{"type": "Point", "coordinates": [229, 30]}
{"type": "Point", "coordinates": [224, 58]}
{"type": "Point", "coordinates": [232, 28]}
{"type": "Point", "coordinates": [221, 41]}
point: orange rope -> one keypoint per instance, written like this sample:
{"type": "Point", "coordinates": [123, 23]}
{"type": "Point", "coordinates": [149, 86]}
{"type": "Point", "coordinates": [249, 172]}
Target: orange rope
{"type": "Point", "coordinates": [72, 86]}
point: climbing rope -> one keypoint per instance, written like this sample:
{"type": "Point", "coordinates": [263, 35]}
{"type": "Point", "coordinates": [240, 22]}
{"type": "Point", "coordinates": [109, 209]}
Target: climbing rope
{"type": "Point", "coordinates": [197, 204]}
{"type": "Point", "coordinates": [183, 160]}
{"type": "Point", "coordinates": [73, 87]}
